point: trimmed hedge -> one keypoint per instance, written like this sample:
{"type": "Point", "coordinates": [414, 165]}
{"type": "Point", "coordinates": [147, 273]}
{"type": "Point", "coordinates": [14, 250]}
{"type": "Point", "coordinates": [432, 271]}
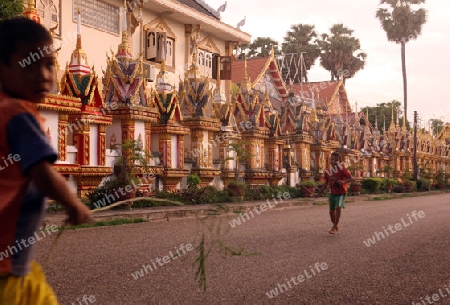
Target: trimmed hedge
{"type": "Point", "coordinates": [372, 185]}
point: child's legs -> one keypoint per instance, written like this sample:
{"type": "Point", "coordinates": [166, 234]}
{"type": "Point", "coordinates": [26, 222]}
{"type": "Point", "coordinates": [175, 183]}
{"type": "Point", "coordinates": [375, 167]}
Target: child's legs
{"type": "Point", "coordinates": [332, 208]}
{"type": "Point", "coordinates": [338, 216]}
{"type": "Point", "coordinates": [339, 206]}
{"type": "Point", "coordinates": [29, 289]}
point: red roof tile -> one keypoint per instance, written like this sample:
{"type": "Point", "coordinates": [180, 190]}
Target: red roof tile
{"type": "Point", "coordinates": [254, 68]}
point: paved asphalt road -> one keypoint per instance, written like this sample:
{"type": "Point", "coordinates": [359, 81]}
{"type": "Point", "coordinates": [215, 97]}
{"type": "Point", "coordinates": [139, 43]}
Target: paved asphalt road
{"type": "Point", "coordinates": [410, 265]}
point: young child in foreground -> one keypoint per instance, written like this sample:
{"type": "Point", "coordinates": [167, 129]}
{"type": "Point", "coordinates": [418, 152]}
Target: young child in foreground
{"type": "Point", "coordinates": [26, 175]}
{"type": "Point", "coordinates": [337, 176]}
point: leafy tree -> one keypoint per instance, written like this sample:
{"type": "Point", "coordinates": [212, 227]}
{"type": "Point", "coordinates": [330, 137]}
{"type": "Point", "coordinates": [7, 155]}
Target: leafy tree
{"type": "Point", "coordinates": [261, 47]}
{"type": "Point", "coordinates": [383, 113]}
{"type": "Point", "coordinates": [337, 52]}
{"type": "Point", "coordinates": [301, 38]}
{"type": "Point", "coordinates": [241, 51]}
{"type": "Point", "coordinates": [436, 126]}
{"type": "Point", "coordinates": [402, 20]}
{"type": "Point", "coordinates": [10, 8]}
{"type": "Point", "coordinates": [341, 52]}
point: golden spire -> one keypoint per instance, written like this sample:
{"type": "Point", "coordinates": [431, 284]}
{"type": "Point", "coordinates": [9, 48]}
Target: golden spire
{"type": "Point", "coordinates": [79, 29]}
{"type": "Point", "coordinates": [124, 49]}
{"type": "Point", "coordinates": [313, 117]}
{"type": "Point", "coordinates": [78, 60]}
{"type": "Point", "coordinates": [346, 114]}
{"type": "Point", "coordinates": [31, 12]}
{"type": "Point", "coordinates": [246, 85]}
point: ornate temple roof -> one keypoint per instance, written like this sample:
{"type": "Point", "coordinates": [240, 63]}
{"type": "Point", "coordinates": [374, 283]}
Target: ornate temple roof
{"type": "Point", "coordinates": [327, 94]}
{"type": "Point", "coordinates": [256, 69]}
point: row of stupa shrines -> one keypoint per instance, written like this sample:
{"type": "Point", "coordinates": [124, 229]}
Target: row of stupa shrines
{"type": "Point", "coordinates": [290, 133]}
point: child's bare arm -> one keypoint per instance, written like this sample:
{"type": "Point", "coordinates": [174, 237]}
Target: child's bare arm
{"type": "Point", "coordinates": [53, 185]}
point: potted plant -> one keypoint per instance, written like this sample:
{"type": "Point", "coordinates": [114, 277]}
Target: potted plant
{"type": "Point", "coordinates": [440, 179]}
{"type": "Point", "coordinates": [355, 185]}
{"type": "Point", "coordinates": [388, 170]}
{"type": "Point", "coordinates": [317, 174]}
{"type": "Point", "coordinates": [307, 187]}
{"type": "Point", "coordinates": [242, 155]}
{"type": "Point", "coordinates": [409, 185]}
{"type": "Point", "coordinates": [133, 157]}
{"type": "Point", "coordinates": [236, 188]}
{"type": "Point", "coordinates": [390, 184]}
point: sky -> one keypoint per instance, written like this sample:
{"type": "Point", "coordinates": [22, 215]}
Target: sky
{"type": "Point", "coordinates": [427, 58]}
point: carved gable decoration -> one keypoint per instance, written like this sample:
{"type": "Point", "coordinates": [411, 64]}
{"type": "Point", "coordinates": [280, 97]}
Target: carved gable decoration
{"type": "Point", "coordinates": [159, 25]}
{"type": "Point", "coordinates": [208, 44]}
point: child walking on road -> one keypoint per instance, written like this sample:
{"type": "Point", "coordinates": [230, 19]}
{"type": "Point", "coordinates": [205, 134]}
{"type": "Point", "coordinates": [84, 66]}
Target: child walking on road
{"type": "Point", "coordinates": [337, 177]}
{"type": "Point", "coordinates": [27, 174]}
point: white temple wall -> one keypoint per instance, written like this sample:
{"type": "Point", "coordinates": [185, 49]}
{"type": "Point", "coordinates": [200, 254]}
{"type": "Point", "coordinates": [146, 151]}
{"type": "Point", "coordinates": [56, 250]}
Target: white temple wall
{"type": "Point", "coordinates": [51, 124]}
{"type": "Point", "coordinates": [93, 147]}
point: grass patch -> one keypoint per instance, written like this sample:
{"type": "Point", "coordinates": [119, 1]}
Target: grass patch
{"type": "Point", "coordinates": [380, 198]}
{"type": "Point", "coordinates": [102, 223]}
{"type": "Point", "coordinates": [321, 203]}
{"type": "Point", "coordinates": [403, 195]}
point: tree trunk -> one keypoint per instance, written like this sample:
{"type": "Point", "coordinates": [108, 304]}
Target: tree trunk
{"type": "Point", "coordinates": [405, 87]}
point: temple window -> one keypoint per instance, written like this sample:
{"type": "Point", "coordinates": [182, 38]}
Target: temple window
{"type": "Point", "coordinates": [169, 51]}
{"type": "Point", "coordinates": [97, 14]}
{"type": "Point", "coordinates": [49, 12]}
{"type": "Point", "coordinates": [159, 47]}
{"type": "Point", "coordinates": [159, 42]}
{"type": "Point", "coordinates": [207, 62]}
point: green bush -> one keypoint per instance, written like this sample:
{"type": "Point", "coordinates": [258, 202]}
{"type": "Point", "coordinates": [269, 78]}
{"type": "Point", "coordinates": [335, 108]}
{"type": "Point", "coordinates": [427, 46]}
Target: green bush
{"type": "Point", "coordinates": [193, 181]}
{"type": "Point", "coordinates": [385, 182]}
{"type": "Point", "coordinates": [308, 182]}
{"type": "Point", "coordinates": [100, 194]}
{"type": "Point", "coordinates": [410, 183]}
{"type": "Point", "coordinates": [423, 185]}
{"type": "Point", "coordinates": [176, 196]}
{"type": "Point", "coordinates": [268, 192]}
{"type": "Point", "coordinates": [210, 194]}
{"type": "Point", "coordinates": [372, 185]}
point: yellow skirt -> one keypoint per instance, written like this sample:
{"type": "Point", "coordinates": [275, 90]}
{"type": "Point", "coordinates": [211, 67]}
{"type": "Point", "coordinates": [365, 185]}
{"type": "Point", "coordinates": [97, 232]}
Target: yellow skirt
{"type": "Point", "coordinates": [31, 289]}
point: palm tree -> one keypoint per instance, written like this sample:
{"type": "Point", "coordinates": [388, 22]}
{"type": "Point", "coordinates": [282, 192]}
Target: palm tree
{"type": "Point", "coordinates": [261, 47]}
{"type": "Point", "coordinates": [301, 38]}
{"type": "Point", "coordinates": [341, 52]}
{"type": "Point", "coordinates": [402, 20]}
{"type": "Point", "coordinates": [11, 8]}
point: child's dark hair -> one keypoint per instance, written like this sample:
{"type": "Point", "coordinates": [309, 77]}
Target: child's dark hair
{"type": "Point", "coordinates": [336, 154]}
{"type": "Point", "coordinates": [19, 29]}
